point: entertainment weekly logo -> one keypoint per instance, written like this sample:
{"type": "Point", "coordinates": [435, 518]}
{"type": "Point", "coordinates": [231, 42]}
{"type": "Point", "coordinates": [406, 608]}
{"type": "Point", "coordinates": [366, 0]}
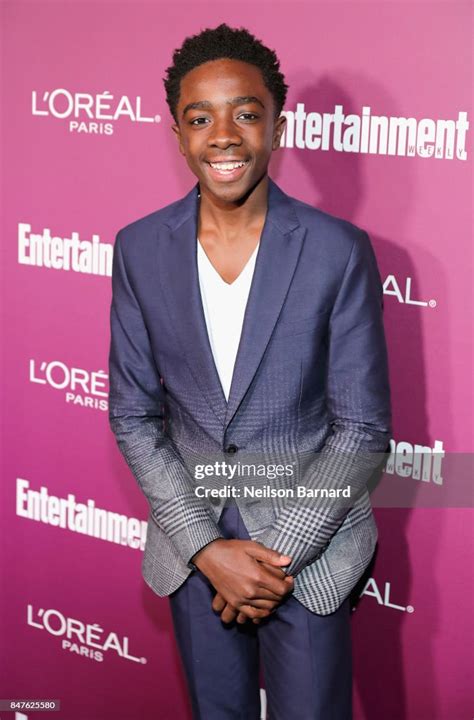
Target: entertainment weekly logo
{"type": "Point", "coordinates": [416, 461]}
{"type": "Point", "coordinates": [80, 387]}
{"type": "Point", "coordinates": [78, 637]}
{"type": "Point", "coordinates": [375, 134]}
{"type": "Point", "coordinates": [84, 518]}
{"type": "Point", "coordinates": [90, 257]}
{"type": "Point", "coordinates": [91, 114]}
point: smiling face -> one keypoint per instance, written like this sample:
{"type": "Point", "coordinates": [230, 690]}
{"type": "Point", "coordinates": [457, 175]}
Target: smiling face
{"type": "Point", "coordinates": [226, 127]}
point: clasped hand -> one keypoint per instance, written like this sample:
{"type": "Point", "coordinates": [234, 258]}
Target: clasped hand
{"type": "Point", "coordinates": [247, 576]}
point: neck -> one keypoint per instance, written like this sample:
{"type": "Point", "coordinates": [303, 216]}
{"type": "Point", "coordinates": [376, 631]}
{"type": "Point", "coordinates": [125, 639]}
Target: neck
{"type": "Point", "coordinates": [228, 220]}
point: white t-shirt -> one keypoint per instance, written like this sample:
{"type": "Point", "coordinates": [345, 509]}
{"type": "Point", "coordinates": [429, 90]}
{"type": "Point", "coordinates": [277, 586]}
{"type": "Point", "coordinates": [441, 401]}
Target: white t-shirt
{"type": "Point", "coordinates": [224, 308]}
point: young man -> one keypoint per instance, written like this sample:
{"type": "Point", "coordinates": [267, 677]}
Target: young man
{"type": "Point", "coordinates": [246, 323]}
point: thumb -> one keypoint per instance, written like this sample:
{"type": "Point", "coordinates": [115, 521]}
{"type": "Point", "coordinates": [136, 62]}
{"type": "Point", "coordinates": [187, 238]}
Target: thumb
{"type": "Point", "coordinates": [259, 552]}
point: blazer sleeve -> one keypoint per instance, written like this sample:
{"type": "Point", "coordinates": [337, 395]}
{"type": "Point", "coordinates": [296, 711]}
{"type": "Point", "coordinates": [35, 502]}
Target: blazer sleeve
{"type": "Point", "coordinates": [136, 417]}
{"type": "Point", "coordinates": [358, 399]}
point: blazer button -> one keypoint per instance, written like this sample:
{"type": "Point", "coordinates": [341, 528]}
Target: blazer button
{"type": "Point", "coordinates": [231, 449]}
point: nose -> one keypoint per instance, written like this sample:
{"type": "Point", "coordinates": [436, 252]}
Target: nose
{"type": "Point", "coordinates": [224, 132]}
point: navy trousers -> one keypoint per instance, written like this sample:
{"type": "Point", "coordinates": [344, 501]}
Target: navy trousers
{"type": "Point", "coordinates": [306, 658]}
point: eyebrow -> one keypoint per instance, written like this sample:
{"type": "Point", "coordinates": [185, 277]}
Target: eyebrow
{"type": "Point", "coordinates": [240, 100]}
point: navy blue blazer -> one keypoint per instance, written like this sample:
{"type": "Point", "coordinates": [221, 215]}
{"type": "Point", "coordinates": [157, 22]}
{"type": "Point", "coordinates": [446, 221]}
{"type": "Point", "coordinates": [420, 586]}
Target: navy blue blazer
{"type": "Point", "coordinates": [310, 384]}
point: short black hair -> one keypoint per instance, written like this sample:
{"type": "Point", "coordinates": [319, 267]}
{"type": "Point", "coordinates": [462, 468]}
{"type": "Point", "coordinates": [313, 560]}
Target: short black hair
{"type": "Point", "coordinates": [229, 43]}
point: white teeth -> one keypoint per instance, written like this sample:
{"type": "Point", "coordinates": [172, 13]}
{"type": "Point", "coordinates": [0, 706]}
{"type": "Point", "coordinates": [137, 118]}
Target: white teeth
{"type": "Point", "coordinates": [227, 165]}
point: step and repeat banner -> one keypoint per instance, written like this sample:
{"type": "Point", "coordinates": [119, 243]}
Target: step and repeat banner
{"type": "Point", "coordinates": [378, 132]}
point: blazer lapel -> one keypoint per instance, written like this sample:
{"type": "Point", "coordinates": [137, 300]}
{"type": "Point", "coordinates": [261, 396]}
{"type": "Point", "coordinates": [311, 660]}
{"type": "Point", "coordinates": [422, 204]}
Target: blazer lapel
{"type": "Point", "coordinates": [280, 246]}
{"type": "Point", "coordinates": [180, 282]}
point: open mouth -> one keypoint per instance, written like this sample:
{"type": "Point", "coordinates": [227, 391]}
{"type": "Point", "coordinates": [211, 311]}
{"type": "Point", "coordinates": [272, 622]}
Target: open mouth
{"type": "Point", "coordinates": [229, 169]}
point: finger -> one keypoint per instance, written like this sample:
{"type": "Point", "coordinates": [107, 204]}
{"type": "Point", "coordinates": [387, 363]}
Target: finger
{"type": "Point", "coordinates": [253, 612]}
{"type": "Point", "coordinates": [242, 618]}
{"type": "Point", "coordinates": [258, 620]}
{"type": "Point", "coordinates": [278, 573]}
{"type": "Point", "coordinates": [265, 587]}
{"type": "Point", "coordinates": [261, 592]}
{"type": "Point", "coordinates": [264, 554]}
{"type": "Point", "coordinates": [228, 614]}
{"type": "Point", "coordinates": [218, 603]}
{"type": "Point", "coordinates": [264, 604]}
{"type": "Point", "coordinates": [270, 584]}
{"type": "Point", "coordinates": [275, 571]}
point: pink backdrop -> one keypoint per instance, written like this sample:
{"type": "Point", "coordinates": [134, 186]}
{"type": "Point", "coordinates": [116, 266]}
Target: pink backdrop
{"type": "Point", "coordinates": [79, 624]}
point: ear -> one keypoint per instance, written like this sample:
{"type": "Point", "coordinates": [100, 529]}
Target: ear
{"type": "Point", "coordinates": [278, 128]}
{"type": "Point", "coordinates": [177, 132]}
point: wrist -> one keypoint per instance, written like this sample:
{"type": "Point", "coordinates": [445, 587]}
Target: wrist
{"type": "Point", "coordinates": [200, 557]}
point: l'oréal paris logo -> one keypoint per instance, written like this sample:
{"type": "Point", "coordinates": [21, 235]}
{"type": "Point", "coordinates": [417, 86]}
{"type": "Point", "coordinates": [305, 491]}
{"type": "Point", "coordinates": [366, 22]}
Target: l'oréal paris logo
{"type": "Point", "coordinates": [87, 113]}
{"type": "Point", "coordinates": [80, 638]}
{"type": "Point", "coordinates": [85, 388]}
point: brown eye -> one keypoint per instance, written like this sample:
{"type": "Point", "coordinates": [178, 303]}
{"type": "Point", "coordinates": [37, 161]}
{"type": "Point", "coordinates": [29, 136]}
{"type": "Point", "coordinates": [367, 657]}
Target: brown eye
{"type": "Point", "coordinates": [249, 116]}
